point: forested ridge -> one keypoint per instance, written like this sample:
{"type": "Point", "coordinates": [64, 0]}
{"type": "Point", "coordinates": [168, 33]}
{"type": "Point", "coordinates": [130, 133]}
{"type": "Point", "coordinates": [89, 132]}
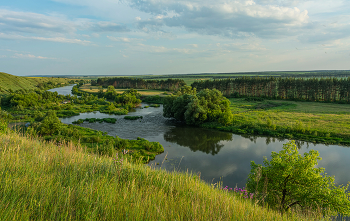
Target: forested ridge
{"type": "Point", "coordinates": [139, 83]}
{"type": "Point", "coordinates": [291, 88]}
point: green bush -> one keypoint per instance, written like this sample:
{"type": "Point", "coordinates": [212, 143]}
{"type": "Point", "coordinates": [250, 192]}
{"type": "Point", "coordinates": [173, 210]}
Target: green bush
{"type": "Point", "coordinates": [292, 181]}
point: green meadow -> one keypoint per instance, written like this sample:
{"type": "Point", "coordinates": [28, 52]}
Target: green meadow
{"type": "Point", "coordinates": [309, 121]}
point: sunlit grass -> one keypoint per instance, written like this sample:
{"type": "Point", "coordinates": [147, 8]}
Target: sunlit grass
{"type": "Point", "coordinates": [8, 81]}
{"type": "Point", "coordinates": [314, 116]}
{"type": "Point", "coordinates": [46, 182]}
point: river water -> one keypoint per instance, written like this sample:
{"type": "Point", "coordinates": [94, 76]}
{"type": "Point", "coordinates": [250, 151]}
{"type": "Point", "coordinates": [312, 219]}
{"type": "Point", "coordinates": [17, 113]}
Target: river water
{"type": "Point", "coordinates": [215, 155]}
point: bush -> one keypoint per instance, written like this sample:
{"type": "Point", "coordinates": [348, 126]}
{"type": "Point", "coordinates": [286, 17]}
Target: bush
{"type": "Point", "coordinates": [3, 126]}
{"type": "Point", "coordinates": [291, 181]}
{"type": "Point", "coordinates": [196, 108]}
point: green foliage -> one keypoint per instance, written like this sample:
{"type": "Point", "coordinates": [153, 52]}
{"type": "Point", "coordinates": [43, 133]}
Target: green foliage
{"type": "Point", "coordinates": [292, 181]}
{"type": "Point", "coordinates": [153, 99]}
{"type": "Point", "coordinates": [50, 124]}
{"type": "Point", "coordinates": [93, 120]}
{"type": "Point", "coordinates": [129, 98]}
{"type": "Point", "coordinates": [132, 117]}
{"type": "Point", "coordinates": [124, 82]}
{"type": "Point", "coordinates": [3, 126]}
{"type": "Point", "coordinates": [197, 108]}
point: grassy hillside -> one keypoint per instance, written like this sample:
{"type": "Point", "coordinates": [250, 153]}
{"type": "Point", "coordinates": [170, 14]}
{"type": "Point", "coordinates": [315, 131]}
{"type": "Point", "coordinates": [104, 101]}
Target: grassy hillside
{"type": "Point", "coordinates": [41, 181]}
{"type": "Point", "coordinates": [8, 81]}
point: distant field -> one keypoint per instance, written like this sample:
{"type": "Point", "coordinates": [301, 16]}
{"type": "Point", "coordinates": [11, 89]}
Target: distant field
{"type": "Point", "coordinates": [144, 92]}
{"type": "Point", "coordinates": [8, 81]}
{"type": "Point", "coordinates": [323, 117]}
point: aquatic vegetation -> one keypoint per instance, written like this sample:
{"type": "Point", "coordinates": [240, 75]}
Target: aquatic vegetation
{"type": "Point", "coordinates": [93, 120]}
{"type": "Point", "coordinates": [132, 117]}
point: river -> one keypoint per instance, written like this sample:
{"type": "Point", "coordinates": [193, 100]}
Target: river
{"type": "Point", "coordinates": [215, 155]}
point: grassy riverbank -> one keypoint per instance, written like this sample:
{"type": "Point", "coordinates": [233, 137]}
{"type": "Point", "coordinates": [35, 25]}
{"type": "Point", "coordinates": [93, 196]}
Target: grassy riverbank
{"type": "Point", "coordinates": [308, 121]}
{"type": "Point", "coordinates": [42, 181]}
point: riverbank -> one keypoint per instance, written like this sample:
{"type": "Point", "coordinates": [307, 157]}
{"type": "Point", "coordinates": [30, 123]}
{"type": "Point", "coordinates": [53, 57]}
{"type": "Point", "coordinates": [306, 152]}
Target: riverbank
{"type": "Point", "coordinates": [42, 181]}
{"type": "Point", "coordinates": [307, 121]}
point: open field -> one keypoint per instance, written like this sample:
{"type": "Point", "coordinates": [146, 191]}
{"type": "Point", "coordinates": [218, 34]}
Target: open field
{"type": "Point", "coordinates": [319, 118]}
{"type": "Point", "coordinates": [8, 81]}
{"type": "Point", "coordinates": [47, 182]}
{"type": "Point", "coordinates": [144, 92]}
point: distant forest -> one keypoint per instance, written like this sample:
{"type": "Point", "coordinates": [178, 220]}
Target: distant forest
{"type": "Point", "coordinates": [138, 83]}
{"type": "Point", "coordinates": [330, 89]}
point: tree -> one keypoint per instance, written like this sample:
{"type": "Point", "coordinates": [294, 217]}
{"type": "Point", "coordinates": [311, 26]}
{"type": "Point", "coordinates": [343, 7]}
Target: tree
{"type": "Point", "coordinates": [196, 108]}
{"type": "Point", "coordinates": [50, 124]}
{"type": "Point", "coordinates": [290, 180]}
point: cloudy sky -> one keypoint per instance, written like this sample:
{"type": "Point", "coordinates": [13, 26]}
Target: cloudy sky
{"type": "Point", "coordinates": [127, 37]}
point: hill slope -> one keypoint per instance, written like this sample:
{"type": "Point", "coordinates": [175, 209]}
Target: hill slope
{"type": "Point", "coordinates": [8, 81]}
{"type": "Point", "coordinates": [41, 181]}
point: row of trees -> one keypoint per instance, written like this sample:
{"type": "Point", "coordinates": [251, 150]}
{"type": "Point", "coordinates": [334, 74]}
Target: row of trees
{"type": "Point", "coordinates": [139, 83]}
{"type": "Point", "coordinates": [312, 89]}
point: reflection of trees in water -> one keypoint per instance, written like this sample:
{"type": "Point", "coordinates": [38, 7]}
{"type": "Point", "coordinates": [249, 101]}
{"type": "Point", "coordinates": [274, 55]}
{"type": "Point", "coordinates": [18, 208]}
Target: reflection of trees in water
{"type": "Point", "coordinates": [200, 139]}
{"type": "Point", "coordinates": [269, 140]}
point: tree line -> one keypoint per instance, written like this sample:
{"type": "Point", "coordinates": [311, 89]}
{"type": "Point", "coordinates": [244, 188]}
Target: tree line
{"type": "Point", "coordinates": [290, 88]}
{"type": "Point", "coordinates": [139, 83]}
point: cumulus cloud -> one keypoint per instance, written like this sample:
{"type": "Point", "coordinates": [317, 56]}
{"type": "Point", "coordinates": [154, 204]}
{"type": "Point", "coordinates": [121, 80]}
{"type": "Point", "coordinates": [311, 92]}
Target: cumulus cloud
{"type": "Point", "coordinates": [231, 19]}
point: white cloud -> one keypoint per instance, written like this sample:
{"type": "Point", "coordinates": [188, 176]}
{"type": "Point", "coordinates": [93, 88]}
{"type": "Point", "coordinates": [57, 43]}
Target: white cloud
{"type": "Point", "coordinates": [124, 39]}
{"type": "Point", "coordinates": [245, 46]}
{"type": "Point", "coordinates": [138, 19]}
{"type": "Point", "coordinates": [105, 26]}
{"type": "Point", "coordinates": [161, 49]}
{"type": "Point", "coordinates": [231, 19]}
{"type": "Point", "coordinates": [29, 22]}
{"type": "Point", "coordinates": [54, 39]}
{"type": "Point", "coordinates": [17, 55]}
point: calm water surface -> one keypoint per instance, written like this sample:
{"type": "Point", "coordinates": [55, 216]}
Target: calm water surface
{"type": "Point", "coordinates": [216, 155]}
{"type": "Point", "coordinates": [66, 90]}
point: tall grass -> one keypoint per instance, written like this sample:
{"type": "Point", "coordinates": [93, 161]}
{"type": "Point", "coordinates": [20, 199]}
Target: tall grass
{"type": "Point", "coordinates": [42, 181]}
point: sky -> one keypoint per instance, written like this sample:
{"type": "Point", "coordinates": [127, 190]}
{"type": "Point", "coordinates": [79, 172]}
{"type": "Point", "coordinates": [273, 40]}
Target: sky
{"type": "Point", "coordinates": [138, 37]}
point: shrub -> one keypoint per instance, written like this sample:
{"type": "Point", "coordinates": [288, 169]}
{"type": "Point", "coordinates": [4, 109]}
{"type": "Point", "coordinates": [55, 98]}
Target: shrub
{"type": "Point", "coordinates": [290, 180]}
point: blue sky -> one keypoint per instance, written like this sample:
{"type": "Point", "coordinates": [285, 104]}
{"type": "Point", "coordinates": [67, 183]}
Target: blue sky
{"type": "Point", "coordinates": [131, 37]}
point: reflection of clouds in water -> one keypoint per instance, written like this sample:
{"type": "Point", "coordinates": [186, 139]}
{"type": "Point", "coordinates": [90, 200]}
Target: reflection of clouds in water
{"type": "Point", "coordinates": [223, 172]}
